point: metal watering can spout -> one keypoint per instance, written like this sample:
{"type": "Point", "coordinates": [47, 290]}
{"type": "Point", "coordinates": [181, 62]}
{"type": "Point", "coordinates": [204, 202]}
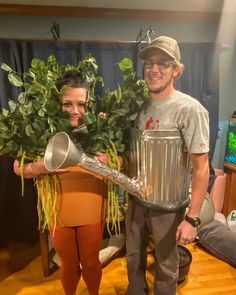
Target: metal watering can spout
{"type": "Point", "coordinates": [61, 152]}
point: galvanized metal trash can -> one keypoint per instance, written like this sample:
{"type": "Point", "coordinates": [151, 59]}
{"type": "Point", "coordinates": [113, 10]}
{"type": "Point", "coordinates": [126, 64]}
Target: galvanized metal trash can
{"type": "Point", "coordinates": [159, 160]}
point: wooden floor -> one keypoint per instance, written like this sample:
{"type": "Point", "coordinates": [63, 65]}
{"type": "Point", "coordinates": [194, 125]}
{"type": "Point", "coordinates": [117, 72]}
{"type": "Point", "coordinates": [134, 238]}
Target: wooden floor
{"type": "Point", "coordinates": [207, 275]}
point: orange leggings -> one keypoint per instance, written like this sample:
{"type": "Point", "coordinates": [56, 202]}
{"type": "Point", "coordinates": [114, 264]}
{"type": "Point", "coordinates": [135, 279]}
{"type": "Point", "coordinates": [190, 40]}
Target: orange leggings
{"type": "Point", "coordinates": [78, 249]}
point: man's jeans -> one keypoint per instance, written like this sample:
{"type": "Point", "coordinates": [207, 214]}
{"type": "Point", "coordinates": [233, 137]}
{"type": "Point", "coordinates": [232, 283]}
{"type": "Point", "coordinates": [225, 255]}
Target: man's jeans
{"type": "Point", "coordinates": [140, 222]}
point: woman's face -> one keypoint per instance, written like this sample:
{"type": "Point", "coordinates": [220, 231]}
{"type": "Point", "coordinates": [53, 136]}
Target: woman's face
{"type": "Point", "coordinates": [74, 102]}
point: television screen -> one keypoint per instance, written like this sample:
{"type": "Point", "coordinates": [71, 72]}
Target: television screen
{"type": "Point", "coordinates": [230, 155]}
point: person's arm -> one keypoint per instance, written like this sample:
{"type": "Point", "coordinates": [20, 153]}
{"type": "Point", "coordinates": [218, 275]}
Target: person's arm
{"type": "Point", "coordinates": [30, 170]}
{"type": "Point", "coordinates": [200, 179]}
{"type": "Point", "coordinates": [200, 176]}
{"type": "Point", "coordinates": [34, 169]}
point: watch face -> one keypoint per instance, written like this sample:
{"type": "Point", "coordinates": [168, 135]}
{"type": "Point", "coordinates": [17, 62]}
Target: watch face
{"type": "Point", "coordinates": [197, 221]}
{"type": "Point", "coordinates": [193, 221]}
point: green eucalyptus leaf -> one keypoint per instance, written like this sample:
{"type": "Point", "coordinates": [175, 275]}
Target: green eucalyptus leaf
{"type": "Point", "coordinates": [126, 64]}
{"type": "Point", "coordinates": [37, 63]}
{"type": "Point", "coordinates": [6, 67]}
{"type": "Point", "coordinates": [7, 136]}
{"type": "Point", "coordinates": [111, 134]}
{"type": "Point", "coordinates": [22, 97]}
{"type": "Point", "coordinates": [15, 79]}
{"type": "Point", "coordinates": [100, 79]}
{"type": "Point", "coordinates": [121, 148]}
{"type": "Point", "coordinates": [31, 75]}
{"type": "Point", "coordinates": [34, 139]}
{"type": "Point", "coordinates": [1, 142]}
{"type": "Point", "coordinates": [89, 118]}
{"type": "Point", "coordinates": [5, 112]}
{"type": "Point", "coordinates": [36, 89]}
{"type": "Point", "coordinates": [52, 107]}
{"type": "Point", "coordinates": [22, 110]}
{"type": "Point", "coordinates": [97, 146]}
{"type": "Point", "coordinates": [50, 84]}
{"type": "Point", "coordinates": [133, 116]}
{"type": "Point", "coordinates": [29, 130]}
{"type": "Point", "coordinates": [41, 112]}
{"type": "Point", "coordinates": [12, 105]}
{"type": "Point", "coordinates": [51, 59]}
{"type": "Point", "coordinates": [36, 104]}
{"type": "Point", "coordinates": [97, 137]}
{"type": "Point", "coordinates": [119, 134]}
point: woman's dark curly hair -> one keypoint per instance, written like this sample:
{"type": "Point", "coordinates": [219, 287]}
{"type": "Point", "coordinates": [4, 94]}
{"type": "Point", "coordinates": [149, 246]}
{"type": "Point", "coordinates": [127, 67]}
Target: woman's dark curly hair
{"type": "Point", "coordinates": [72, 78]}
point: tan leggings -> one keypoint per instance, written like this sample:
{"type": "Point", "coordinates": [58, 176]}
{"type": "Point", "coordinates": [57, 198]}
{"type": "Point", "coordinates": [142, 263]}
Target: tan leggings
{"type": "Point", "coordinates": [78, 249]}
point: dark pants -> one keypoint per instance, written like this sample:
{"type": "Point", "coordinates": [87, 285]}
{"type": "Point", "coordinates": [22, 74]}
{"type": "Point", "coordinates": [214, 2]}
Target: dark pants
{"type": "Point", "coordinates": [140, 222]}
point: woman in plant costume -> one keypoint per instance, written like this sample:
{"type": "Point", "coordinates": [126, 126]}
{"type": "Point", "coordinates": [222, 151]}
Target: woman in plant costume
{"type": "Point", "coordinates": [80, 204]}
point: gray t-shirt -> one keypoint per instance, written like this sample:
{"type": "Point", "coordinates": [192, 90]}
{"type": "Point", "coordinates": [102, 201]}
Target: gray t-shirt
{"type": "Point", "coordinates": [181, 112]}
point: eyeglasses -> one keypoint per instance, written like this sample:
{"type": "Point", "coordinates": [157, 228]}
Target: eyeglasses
{"type": "Point", "coordinates": [149, 64]}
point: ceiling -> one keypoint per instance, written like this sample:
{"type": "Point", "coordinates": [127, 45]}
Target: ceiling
{"type": "Point", "coordinates": [169, 5]}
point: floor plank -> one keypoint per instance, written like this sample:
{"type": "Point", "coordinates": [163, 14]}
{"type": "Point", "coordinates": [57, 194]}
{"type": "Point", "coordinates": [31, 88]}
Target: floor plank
{"type": "Point", "coordinates": [208, 276]}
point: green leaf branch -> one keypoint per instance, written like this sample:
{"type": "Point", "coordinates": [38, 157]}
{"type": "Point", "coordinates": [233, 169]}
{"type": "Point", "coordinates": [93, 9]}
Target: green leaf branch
{"type": "Point", "coordinates": [34, 117]}
{"type": "Point", "coordinates": [110, 117]}
{"type": "Point", "coordinates": [108, 120]}
{"type": "Point", "coordinates": [30, 121]}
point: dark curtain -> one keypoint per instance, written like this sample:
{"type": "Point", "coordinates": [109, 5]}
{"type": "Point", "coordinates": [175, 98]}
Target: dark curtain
{"type": "Point", "coordinates": [18, 216]}
{"type": "Point", "coordinates": [201, 80]}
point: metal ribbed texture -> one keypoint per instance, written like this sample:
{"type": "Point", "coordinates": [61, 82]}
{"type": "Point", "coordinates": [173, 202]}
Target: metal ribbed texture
{"type": "Point", "coordinates": [159, 162]}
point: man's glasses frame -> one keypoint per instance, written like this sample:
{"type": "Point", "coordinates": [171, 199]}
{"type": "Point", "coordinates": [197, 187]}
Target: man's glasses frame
{"type": "Point", "coordinates": [149, 64]}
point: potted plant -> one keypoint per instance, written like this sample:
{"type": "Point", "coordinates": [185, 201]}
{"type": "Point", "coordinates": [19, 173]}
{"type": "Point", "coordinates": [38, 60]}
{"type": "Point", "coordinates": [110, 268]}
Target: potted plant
{"type": "Point", "coordinates": [29, 123]}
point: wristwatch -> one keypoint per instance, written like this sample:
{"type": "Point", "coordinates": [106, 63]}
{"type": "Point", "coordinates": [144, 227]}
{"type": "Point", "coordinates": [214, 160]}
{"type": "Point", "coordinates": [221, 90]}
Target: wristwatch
{"type": "Point", "coordinates": [194, 221]}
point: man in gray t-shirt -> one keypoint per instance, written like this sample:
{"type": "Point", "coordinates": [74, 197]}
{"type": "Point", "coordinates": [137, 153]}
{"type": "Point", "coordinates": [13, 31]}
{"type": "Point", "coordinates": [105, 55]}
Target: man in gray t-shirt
{"type": "Point", "coordinates": [178, 111]}
{"type": "Point", "coordinates": [167, 110]}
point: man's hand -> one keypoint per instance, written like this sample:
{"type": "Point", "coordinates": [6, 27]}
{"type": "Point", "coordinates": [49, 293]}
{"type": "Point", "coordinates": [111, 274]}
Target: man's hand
{"type": "Point", "coordinates": [186, 233]}
{"type": "Point", "coordinates": [104, 158]}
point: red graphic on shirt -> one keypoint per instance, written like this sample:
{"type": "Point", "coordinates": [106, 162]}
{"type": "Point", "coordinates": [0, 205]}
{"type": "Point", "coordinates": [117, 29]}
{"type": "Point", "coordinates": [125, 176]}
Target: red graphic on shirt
{"type": "Point", "coordinates": [202, 145]}
{"type": "Point", "coordinates": [151, 124]}
{"type": "Point", "coordinates": [148, 123]}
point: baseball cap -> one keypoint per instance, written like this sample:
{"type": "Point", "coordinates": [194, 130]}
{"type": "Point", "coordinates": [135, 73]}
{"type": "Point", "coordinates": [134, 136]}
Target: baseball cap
{"type": "Point", "coordinates": [164, 43]}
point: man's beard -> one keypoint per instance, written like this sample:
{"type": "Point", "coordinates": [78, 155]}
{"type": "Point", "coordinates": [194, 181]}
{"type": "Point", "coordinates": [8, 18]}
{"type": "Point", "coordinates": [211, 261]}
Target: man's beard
{"type": "Point", "coordinates": [161, 88]}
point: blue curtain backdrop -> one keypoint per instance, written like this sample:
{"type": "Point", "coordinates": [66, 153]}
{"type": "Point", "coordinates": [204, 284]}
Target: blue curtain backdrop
{"type": "Point", "coordinates": [200, 79]}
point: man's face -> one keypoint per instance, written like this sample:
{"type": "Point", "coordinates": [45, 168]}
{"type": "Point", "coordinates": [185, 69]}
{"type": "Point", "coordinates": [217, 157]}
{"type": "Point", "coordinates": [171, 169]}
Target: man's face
{"type": "Point", "coordinates": [160, 72]}
{"type": "Point", "coordinates": [74, 102]}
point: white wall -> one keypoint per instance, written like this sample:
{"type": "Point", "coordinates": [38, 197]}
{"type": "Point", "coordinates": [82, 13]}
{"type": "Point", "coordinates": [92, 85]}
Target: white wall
{"type": "Point", "coordinates": [100, 29]}
{"type": "Point", "coordinates": [227, 101]}
{"type": "Point", "coordinates": [183, 31]}
{"type": "Point", "coordinates": [227, 35]}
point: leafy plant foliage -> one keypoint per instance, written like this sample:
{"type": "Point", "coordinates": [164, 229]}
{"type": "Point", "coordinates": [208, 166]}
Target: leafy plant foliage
{"type": "Point", "coordinates": [109, 121]}
{"type": "Point", "coordinates": [28, 124]}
